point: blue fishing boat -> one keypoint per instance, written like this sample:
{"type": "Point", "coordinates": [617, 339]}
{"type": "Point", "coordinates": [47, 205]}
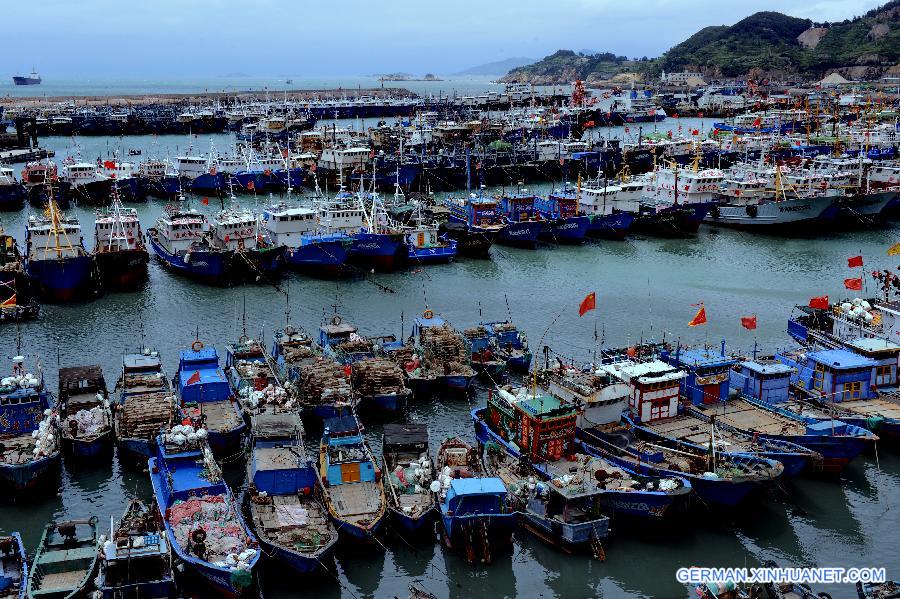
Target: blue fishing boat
{"type": "Point", "coordinates": [444, 353]}
{"type": "Point", "coordinates": [474, 509]}
{"type": "Point", "coordinates": [65, 560]}
{"type": "Point", "coordinates": [475, 223]}
{"type": "Point", "coordinates": [285, 496]}
{"type": "Point", "coordinates": [203, 522]}
{"type": "Point", "coordinates": [207, 398]}
{"type": "Point", "coordinates": [313, 247]}
{"type": "Point", "coordinates": [136, 560]}
{"type": "Point", "coordinates": [524, 224]}
{"type": "Point", "coordinates": [354, 490]}
{"type": "Point", "coordinates": [425, 244]}
{"type": "Point", "coordinates": [481, 352]}
{"type": "Point", "coordinates": [564, 223]}
{"type": "Point", "coordinates": [85, 414]}
{"type": "Point", "coordinates": [550, 450]}
{"type": "Point", "coordinates": [145, 406]}
{"type": "Point", "coordinates": [379, 245]}
{"type": "Point", "coordinates": [27, 460]}
{"type": "Point", "coordinates": [764, 407]}
{"type": "Point", "coordinates": [843, 383]}
{"type": "Point", "coordinates": [12, 192]}
{"type": "Point", "coordinates": [409, 475]}
{"type": "Point", "coordinates": [181, 242]}
{"type": "Point", "coordinates": [13, 567]}
{"type": "Point", "coordinates": [510, 344]}
{"type": "Point", "coordinates": [255, 256]}
{"type": "Point", "coordinates": [605, 219]}
{"type": "Point", "coordinates": [57, 263]}
{"type": "Point", "coordinates": [254, 378]}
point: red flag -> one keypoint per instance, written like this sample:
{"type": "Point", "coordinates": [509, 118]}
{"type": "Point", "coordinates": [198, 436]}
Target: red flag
{"type": "Point", "coordinates": [854, 284]}
{"type": "Point", "coordinates": [205, 201]}
{"type": "Point", "coordinates": [695, 132]}
{"type": "Point", "coordinates": [587, 304]}
{"type": "Point", "coordinates": [748, 322]}
{"type": "Point", "coordinates": [194, 378]}
{"type": "Point", "coordinates": [820, 303]}
{"type": "Point", "coordinates": [251, 185]}
{"type": "Point", "coordinates": [700, 115]}
{"type": "Point", "coordinates": [699, 317]}
{"type": "Point", "coordinates": [589, 124]}
{"type": "Point", "coordinates": [675, 115]}
{"type": "Point", "coordinates": [854, 262]}
{"type": "Point", "coordinates": [757, 122]}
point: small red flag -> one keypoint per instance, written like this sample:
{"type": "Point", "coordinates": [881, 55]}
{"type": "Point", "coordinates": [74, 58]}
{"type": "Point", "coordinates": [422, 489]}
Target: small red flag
{"type": "Point", "coordinates": [820, 302]}
{"type": "Point", "coordinates": [855, 284]}
{"type": "Point", "coordinates": [854, 262]}
{"type": "Point", "coordinates": [194, 378]}
{"type": "Point", "coordinates": [587, 304]}
{"type": "Point", "coordinates": [205, 201]}
{"type": "Point", "coordinates": [748, 322]}
{"type": "Point", "coordinates": [251, 185]}
{"type": "Point", "coordinates": [757, 122]}
{"type": "Point", "coordinates": [589, 124]}
{"type": "Point", "coordinates": [699, 317]}
{"type": "Point", "coordinates": [700, 115]}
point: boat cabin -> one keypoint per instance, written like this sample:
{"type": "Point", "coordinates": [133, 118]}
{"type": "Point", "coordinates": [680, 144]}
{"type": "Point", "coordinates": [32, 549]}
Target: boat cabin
{"type": "Point", "coordinates": [287, 225]}
{"type": "Point", "coordinates": [655, 387]}
{"type": "Point", "coordinates": [79, 173]}
{"type": "Point", "coordinates": [765, 381]}
{"type": "Point", "coordinates": [277, 465]}
{"type": "Point", "coordinates": [474, 212]}
{"type": "Point", "coordinates": [81, 388]}
{"type": "Point", "coordinates": [347, 460]}
{"type": "Point", "coordinates": [558, 206]}
{"type": "Point", "coordinates": [885, 354]}
{"type": "Point", "coordinates": [191, 167]}
{"type": "Point", "coordinates": [199, 377]}
{"type": "Point", "coordinates": [179, 230]}
{"type": "Point", "coordinates": [22, 404]}
{"type": "Point", "coordinates": [836, 374]}
{"type": "Point", "coordinates": [475, 497]}
{"type": "Point", "coordinates": [519, 208]}
{"type": "Point", "coordinates": [541, 425]}
{"type": "Point", "coordinates": [336, 331]}
{"type": "Point", "coordinates": [707, 374]}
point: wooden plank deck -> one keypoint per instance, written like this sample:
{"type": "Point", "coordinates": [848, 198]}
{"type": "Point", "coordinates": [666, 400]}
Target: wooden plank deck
{"type": "Point", "coordinates": [355, 501]}
{"type": "Point", "coordinates": [745, 416]}
{"type": "Point", "coordinates": [872, 407]}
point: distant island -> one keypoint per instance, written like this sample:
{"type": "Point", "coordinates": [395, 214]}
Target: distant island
{"type": "Point", "coordinates": [764, 45]}
{"type": "Point", "coordinates": [408, 77]}
{"type": "Point", "coordinates": [496, 68]}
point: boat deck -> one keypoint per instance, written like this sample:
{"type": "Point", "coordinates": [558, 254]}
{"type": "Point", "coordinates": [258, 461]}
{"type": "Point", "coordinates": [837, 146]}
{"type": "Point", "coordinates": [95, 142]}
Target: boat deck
{"type": "Point", "coordinates": [60, 581]}
{"type": "Point", "coordinates": [745, 416]}
{"type": "Point", "coordinates": [17, 449]}
{"type": "Point", "coordinates": [356, 501]}
{"type": "Point", "coordinates": [141, 416]}
{"type": "Point", "coordinates": [694, 430]}
{"type": "Point", "coordinates": [877, 406]}
{"type": "Point", "coordinates": [289, 521]}
{"type": "Point", "coordinates": [220, 415]}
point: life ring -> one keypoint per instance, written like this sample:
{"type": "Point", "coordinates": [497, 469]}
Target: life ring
{"type": "Point", "coordinates": [335, 320]}
{"type": "Point", "coordinates": [198, 535]}
{"type": "Point", "coordinates": [428, 314]}
{"type": "Point", "coordinates": [197, 345]}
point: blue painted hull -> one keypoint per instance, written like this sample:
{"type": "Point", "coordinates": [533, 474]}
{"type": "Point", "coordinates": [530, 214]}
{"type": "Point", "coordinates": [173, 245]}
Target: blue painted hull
{"type": "Point", "coordinates": [298, 562]}
{"type": "Point", "coordinates": [158, 589]}
{"type": "Point", "coordinates": [435, 255]}
{"type": "Point", "coordinates": [297, 176]}
{"type": "Point", "coordinates": [519, 363]}
{"type": "Point", "coordinates": [139, 450]}
{"type": "Point", "coordinates": [318, 257]}
{"type": "Point", "coordinates": [83, 450]}
{"type": "Point", "coordinates": [354, 533]}
{"type": "Point", "coordinates": [250, 181]}
{"type": "Point", "coordinates": [610, 226]}
{"type": "Point", "coordinates": [413, 526]}
{"type": "Point", "coordinates": [571, 230]}
{"type": "Point", "coordinates": [29, 476]}
{"type": "Point", "coordinates": [456, 383]}
{"type": "Point", "coordinates": [522, 235]}
{"type": "Point", "coordinates": [388, 405]}
{"type": "Point", "coordinates": [207, 183]}
{"type": "Point", "coordinates": [499, 527]}
{"type": "Point", "coordinates": [376, 250]}
{"type": "Point", "coordinates": [63, 280]}
{"type": "Point", "coordinates": [227, 442]}
{"type": "Point", "coordinates": [12, 197]}
{"type": "Point", "coordinates": [207, 267]}
{"type": "Point", "coordinates": [165, 187]}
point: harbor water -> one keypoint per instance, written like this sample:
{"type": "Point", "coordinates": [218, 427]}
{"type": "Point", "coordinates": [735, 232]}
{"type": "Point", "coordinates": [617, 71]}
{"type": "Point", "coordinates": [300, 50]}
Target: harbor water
{"type": "Point", "coordinates": [647, 288]}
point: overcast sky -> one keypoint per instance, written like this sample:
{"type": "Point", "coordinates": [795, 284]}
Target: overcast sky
{"type": "Point", "coordinates": [158, 38]}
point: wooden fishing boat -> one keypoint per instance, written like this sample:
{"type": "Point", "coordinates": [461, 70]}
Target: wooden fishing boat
{"type": "Point", "coordinates": [444, 352]}
{"type": "Point", "coordinates": [409, 475]}
{"type": "Point", "coordinates": [354, 491]}
{"type": "Point", "coordinates": [207, 399]}
{"type": "Point", "coordinates": [380, 388]}
{"type": "Point", "coordinates": [510, 344]}
{"type": "Point", "coordinates": [13, 567]}
{"type": "Point", "coordinates": [84, 411]}
{"type": "Point", "coordinates": [255, 379]}
{"type": "Point", "coordinates": [146, 405]}
{"type": "Point", "coordinates": [481, 353]}
{"type": "Point", "coordinates": [136, 561]}
{"type": "Point", "coordinates": [878, 590]}
{"type": "Point", "coordinates": [65, 560]}
{"type": "Point", "coordinates": [285, 496]}
{"type": "Point", "coordinates": [27, 460]}
{"type": "Point", "coordinates": [475, 515]}
{"type": "Point", "coordinates": [203, 523]}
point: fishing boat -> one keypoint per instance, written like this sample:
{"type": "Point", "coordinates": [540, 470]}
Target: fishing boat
{"type": "Point", "coordinates": [315, 245]}
{"type": "Point", "coordinates": [444, 353]}
{"type": "Point", "coordinates": [474, 510]}
{"type": "Point", "coordinates": [425, 243]}
{"type": "Point", "coordinates": [82, 183]}
{"type": "Point", "coordinates": [85, 415]}
{"type": "Point", "coordinates": [255, 379]}
{"type": "Point", "coordinates": [524, 224]}
{"type": "Point", "coordinates": [29, 430]}
{"type": "Point", "coordinates": [59, 267]}
{"type": "Point", "coordinates": [136, 560]}
{"type": "Point", "coordinates": [146, 405]}
{"type": "Point", "coordinates": [564, 222]}
{"type": "Point", "coordinates": [878, 590]}
{"type": "Point", "coordinates": [119, 250]}
{"type": "Point", "coordinates": [12, 192]}
{"type": "Point", "coordinates": [203, 522]}
{"type": "Point", "coordinates": [379, 244]}
{"type": "Point", "coordinates": [482, 356]}
{"type": "Point", "coordinates": [379, 387]}
{"type": "Point", "coordinates": [509, 343]}
{"type": "Point", "coordinates": [420, 380]}
{"type": "Point", "coordinates": [285, 496]}
{"type": "Point", "coordinates": [254, 256]}
{"type": "Point", "coordinates": [65, 560]}
{"type": "Point", "coordinates": [353, 485]}
{"type": "Point", "coordinates": [13, 567]}
{"type": "Point", "coordinates": [207, 398]}
{"type": "Point", "coordinates": [160, 178]}
{"type": "Point", "coordinates": [181, 242]}
{"type": "Point", "coordinates": [474, 223]}
{"type": "Point", "coordinates": [410, 474]}
{"type": "Point", "coordinates": [16, 303]}
{"type": "Point", "coordinates": [38, 179]}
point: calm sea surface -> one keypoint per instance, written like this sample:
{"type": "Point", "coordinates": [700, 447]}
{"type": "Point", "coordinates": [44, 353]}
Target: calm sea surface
{"type": "Point", "coordinates": [645, 287]}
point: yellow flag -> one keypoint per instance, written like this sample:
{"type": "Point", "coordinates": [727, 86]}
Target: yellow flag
{"type": "Point", "coordinates": [894, 249]}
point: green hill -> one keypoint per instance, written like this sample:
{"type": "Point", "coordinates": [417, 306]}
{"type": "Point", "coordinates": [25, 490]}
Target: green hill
{"type": "Point", "coordinates": [565, 66]}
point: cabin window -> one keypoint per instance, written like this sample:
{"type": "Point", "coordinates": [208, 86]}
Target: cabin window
{"type": "Point", "coordinates": [819, 377]}
{"type": "Point", "coordinates": [852, 390]}
{"type": "Point", "coordinates": [883, 374]}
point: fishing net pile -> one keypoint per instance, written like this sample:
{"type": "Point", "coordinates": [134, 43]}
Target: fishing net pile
{"type": "Point", "coordinates": [445, 351]}
{"type": "Point", "coordinates": [324, 382]}
{"type": "Point", "coordinates": [87, 423]}
{"type": "Point", "coordinates": [270, 395]}
{"type": "Point", "coordinates": [412, 477]}
{"type": "Point", "coordinates": [42, 442]}
{"type": "Point", "coordinates": [142, 416]}
{"type": "Point", "coordinates": [223, 540]}
{"type": "Point", "coordinates": [377, 376]}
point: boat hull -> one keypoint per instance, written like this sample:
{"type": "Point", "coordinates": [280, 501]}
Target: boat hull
{"type": "Point", "coordinates": [206, 267]}
{"type": "Point", "coordinates": [610, 226]}
{"type": "Point", "coordinates": [63, 280]}
{"type": "Point", "coordinates": [376, 250]}
{"type": "Point", "coordinates": [794, 213]}
{"type": "Point", "coordinates": [298, 562]}
{"type": "Point", "coordinates": [521, 234]}
{"type": "Point", "coordinates": [123, 270]}
{"type": "Point", "coordinates": [84, 450]}
{"type": "Point", "coordinates": [12, 197]}
{"type": "Point", "coordinates": [570, 230]}
{"type": "Point", "coordinates": [413, 526]}
{"type": "Point", "coordinates": [30, 476]}
{"type": "Point", "coordinates": [320, 258]}
{"type": "Point", "coordinates": [390, 405]}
